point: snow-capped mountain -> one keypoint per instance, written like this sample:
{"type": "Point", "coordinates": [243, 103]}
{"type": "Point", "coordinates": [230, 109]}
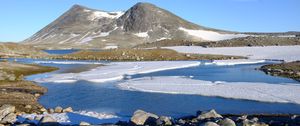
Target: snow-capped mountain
{"type": "Point", "coordinates": [82, 27]}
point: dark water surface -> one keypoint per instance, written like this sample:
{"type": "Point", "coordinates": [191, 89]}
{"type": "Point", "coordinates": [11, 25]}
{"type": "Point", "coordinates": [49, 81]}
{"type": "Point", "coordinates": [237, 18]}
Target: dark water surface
{"type": "Point", "coordinates": [67, 51]}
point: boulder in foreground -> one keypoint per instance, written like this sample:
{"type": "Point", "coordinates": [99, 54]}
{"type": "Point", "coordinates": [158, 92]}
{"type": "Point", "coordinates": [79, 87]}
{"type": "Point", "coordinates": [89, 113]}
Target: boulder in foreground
{"type": "Point", "coordinates": [141, 117]}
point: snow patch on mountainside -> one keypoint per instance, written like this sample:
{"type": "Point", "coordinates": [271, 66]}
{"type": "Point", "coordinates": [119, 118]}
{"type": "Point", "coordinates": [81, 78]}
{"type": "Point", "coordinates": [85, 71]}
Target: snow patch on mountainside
{"type": "Point", "coordinates": [284, 93]}
{"type": "Point", "coordinates": [101, 14]}
{"type": "Point", "coordinates": [111, 46]}
{"type": "Point", "coordinates": [210, 35]}
{"type": "Point", "coordinates": [87, 39]}
{"type": "Point", "coordinates": [68, 39]}
{"type": "Point", "coordinates": [142, 34]}
{"type": "Point", "coordinates": [163, 38]}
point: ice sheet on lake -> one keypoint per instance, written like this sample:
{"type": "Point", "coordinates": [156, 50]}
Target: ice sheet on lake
{"type": "Point", "coordinates": [66, 62]}
{"type": "Point", "coordinates": [284, 93]}
{"type": "Point", "coordinates": [287, 53]}
{"type": "Point", "coordinates": [117, 71]}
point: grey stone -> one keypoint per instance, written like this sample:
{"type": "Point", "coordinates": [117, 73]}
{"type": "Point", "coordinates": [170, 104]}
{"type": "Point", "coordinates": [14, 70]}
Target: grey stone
{"type": "Point", "coordinates": [6, 110]}
{"type": "Point", "coordinates": [211, 114]}
{"type": "Point", "coordinates": [28, 107]}
{"type": "Point", "coordinates": [227, 122]}
{"type": "Point", "coordinates": [163, 120]}
{"type": "Point", "coordinates": [252, 123]}
{"type": "Point", "coordinates": [9, 119]}
{"type": "Point", "coordinates": [84, 124]}
{"type": "Point", "coordinates": [58, 109]}
{"type": "Point", "coordinates": [209, 124]}
{"type": "Point", "coordinates": [69, 109]}
{"type": "Point", "coordinates": [24, 125]}
{"type": "Point", "coordinates": [48, 121]}
{"type": "Point", "coordinates": [51, 110]}
{"type": "Point", "coordinates": [140, 117]}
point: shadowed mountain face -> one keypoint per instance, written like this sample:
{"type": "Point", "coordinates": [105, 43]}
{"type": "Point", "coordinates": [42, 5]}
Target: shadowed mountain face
{"type": "Point", "coordinates": [82, 27]}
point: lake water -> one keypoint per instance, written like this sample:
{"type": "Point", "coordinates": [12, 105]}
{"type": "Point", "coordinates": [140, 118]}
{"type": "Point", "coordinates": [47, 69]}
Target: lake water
{"type": "Point", "coordinates": [106, 97]}
{"type": "Point", "coordinates": [61, 51]}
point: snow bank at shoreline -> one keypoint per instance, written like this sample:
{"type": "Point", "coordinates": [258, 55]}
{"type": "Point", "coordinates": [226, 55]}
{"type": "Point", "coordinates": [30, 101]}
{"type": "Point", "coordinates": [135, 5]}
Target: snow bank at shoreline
{"type": "Point", "coordinates": [74, 117]}
{"type": "Point", "coordinates": [117, 71]}
{"type": "Point", "coordinates": [286, 53]}
{"type": "Point", "coordinates": [283, 93]}
{"type": "Point", "coordinates": [235, 62]}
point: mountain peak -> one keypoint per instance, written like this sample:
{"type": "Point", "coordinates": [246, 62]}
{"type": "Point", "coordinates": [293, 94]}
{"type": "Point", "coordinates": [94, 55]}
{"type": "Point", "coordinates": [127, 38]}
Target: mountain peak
{"type": "Point", "coordinates": [144, 4]}
{"type": "Point", "coordinates": [143, 17]}
{"type": "Point", "coordinates": [77, 6]}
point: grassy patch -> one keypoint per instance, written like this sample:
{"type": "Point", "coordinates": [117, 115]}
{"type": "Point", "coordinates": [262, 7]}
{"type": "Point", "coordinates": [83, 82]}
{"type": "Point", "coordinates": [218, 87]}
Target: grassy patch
{"type": "Point", "coordinates": [140, 55]}
{"type": "Point", "coordinates": [25, 69]}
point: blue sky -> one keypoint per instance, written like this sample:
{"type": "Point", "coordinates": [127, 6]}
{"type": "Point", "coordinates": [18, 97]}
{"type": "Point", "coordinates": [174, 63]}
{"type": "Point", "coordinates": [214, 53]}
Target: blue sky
{"type": "Point", "coordinates": [22, 18]}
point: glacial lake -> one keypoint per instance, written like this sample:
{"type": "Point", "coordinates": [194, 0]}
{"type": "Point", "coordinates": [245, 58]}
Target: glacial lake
{"type": "Point", "coordinates": [108, 98]}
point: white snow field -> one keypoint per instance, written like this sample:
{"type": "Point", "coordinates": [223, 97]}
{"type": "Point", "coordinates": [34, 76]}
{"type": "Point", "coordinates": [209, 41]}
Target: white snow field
{"type": "Point", "coordinates": [117, 71]}
{"type": "Point", "coordinates": [283, 93]}
{"type": "Point", "coordinates": [286, 53]}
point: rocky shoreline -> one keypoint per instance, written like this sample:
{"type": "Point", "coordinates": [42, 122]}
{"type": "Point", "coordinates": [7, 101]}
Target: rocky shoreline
{"type": "Point", "coordinates": [16, 91]}
{"type": "Point", "coordinates": [288, 70]}
{"type": "Point", "coordinates": [8, 116]}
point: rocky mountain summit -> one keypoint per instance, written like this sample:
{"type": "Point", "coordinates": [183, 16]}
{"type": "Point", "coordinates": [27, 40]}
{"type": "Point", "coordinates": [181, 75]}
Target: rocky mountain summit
{"type": "Point", "coordinates": [82, 27]}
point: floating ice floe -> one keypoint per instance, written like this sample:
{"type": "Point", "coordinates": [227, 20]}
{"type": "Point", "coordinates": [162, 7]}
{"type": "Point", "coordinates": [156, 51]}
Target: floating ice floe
{"type": "Point", "coordinates": [117, 70]}
{"type": "Point", "coordinates": [284, 93]}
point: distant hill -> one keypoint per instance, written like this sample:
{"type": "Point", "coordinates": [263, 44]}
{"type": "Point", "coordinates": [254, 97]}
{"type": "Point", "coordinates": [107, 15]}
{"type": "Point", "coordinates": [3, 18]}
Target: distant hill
{"type": "Point", "coordinates": [19, 50]}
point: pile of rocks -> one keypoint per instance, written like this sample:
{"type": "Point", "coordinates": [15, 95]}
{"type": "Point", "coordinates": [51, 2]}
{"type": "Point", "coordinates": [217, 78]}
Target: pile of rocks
{"type": "Point", "coordinates": [212, 118]}
{"type": "Point", "coordinates": [8, 116]}
{"type": "Point", "coordinates": [59, 109]}
{"type": "Point", "coordinates": [209, 118]}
